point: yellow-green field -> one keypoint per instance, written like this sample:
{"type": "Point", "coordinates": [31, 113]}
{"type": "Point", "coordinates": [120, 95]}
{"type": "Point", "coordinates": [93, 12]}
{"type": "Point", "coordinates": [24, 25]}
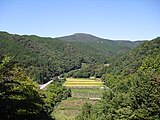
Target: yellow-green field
{"type": "Point", "coordinates": [68, 109]}
{"type": "Point", "coordinates": [81, 90]}
{"type": "Point", "coordinates": [81, 82]}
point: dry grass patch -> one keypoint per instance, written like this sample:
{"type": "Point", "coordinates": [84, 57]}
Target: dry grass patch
{"type": "Point", "coordinates": [70, 108]}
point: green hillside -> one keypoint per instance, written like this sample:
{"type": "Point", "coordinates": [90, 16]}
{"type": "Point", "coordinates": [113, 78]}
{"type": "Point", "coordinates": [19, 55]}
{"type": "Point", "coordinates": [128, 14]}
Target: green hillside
{"type": "Point", "coordinates": [129, 72]}
{"type": "Point", "coordinates": [98, 45]}
{"type": "Point", "coordinates": [133, 89]}
{"type": "Point", "coordinates": [44, 57]}
{"type": "Point", "coordinates": [130, 62]}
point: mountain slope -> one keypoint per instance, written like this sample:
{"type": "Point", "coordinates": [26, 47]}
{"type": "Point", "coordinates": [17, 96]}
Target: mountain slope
{"type": "Point", "coordinates": [101, 46]}
{"type": "Point", "coordinates": [44, 58]}
{"type": "Point", "coordinates": [130, 62]}
{"type": "Point", "coordinates": [132, 89]}
{"type": "Point", "coordinates": [80, 37]}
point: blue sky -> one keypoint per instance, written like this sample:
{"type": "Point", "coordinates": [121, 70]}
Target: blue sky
{"type": "Point", "coordinates": [111, 19]}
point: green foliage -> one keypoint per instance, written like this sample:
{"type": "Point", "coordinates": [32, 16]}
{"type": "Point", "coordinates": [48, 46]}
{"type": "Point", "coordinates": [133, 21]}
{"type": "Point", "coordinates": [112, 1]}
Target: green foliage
{"type": "Point", "coordinates": [98, 46]}
{"type": "Point", "coordinates": [133, 86]}
{"type": "Point", "coordinates": [4, 60]}
{"type": "Point", "coordinates": [145, 97]}
{"type": "Point", "coordinates": [132, 81]}
{"type": "Point", "coordinates": [87, 71]}
{"type": "Point", "coordinates": [128, 63]}
{"type": "Point", "coordinates": [20, 97]}
{"type": "Point", "coordinates": [86, 112]}
{"type": "Point", "coordinates": [54, 94]}
{"type": "Point", "coordinates": [44, 58]}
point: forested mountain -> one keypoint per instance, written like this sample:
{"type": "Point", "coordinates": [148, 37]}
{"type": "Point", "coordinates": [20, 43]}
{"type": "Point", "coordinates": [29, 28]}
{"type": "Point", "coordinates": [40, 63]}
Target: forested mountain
{"type": "Point", "coordinates": [44, 58]}
{"type": "Point", "coordinates": [131, 80]}
{"type": "Point", "coordinates": [132, 89]}
{"type": "Point", "coordinates": [99, 45]}
{"type": "Point", "coordinates": [130, 62]}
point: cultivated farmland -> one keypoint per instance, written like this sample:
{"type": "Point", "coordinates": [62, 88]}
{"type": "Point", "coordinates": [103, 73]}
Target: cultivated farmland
{"type": "Point", "coordinates": [81, 82]}
{"type": "Point", "coordinates": [82, 90]}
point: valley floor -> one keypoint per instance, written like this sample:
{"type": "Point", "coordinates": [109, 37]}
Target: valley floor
{"type": "Point", "coordinates": [83, 91]}
{"type": "Point", "coordinates": [70, 108]}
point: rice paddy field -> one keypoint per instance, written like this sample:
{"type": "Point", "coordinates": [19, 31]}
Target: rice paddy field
{"type": "Point", "coordinates": [82, 90]}
{"type": "Point", "coordinates": [82, 82]}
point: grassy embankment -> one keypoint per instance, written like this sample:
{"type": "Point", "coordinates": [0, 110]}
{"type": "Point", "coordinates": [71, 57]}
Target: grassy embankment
{"type": "Point", "coordinates": [82, 90]}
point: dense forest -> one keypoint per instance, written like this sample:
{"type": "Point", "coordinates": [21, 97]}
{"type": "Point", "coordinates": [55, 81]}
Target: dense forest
{"type": "Point", "coordinates": [21, 98]}
{"type": "Point", "coordinates": [133, 87]}
{"type": "Point", "coordinates": [44, 58]}
{"type": "Point", "coordinates": [93, 44]}
{"type": "Point", "coordinates": [129, 70]}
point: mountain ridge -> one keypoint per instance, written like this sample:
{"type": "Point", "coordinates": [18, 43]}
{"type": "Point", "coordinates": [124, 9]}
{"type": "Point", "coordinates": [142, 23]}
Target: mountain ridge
{"type": "Point", "coordinates": [94, 37]}
{"type": "Point", "coordinates": [84, 34]}
{"type": "Point", "coordinates": [101, 45]}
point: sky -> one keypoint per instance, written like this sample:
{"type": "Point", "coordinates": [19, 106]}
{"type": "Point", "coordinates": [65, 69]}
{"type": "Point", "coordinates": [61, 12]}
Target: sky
{"type": "Point", "coordinates": [110, 19]}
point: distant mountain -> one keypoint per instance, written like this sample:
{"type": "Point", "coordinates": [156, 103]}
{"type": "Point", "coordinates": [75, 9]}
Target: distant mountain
{"type": "Point", "coordinates": [81, 37]}
{"type": "Point", "coordinates": [100, 45]}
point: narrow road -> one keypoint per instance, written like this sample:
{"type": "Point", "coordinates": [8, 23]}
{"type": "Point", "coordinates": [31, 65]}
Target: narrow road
{"type": "Point", "coordinates": [45, 85]}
